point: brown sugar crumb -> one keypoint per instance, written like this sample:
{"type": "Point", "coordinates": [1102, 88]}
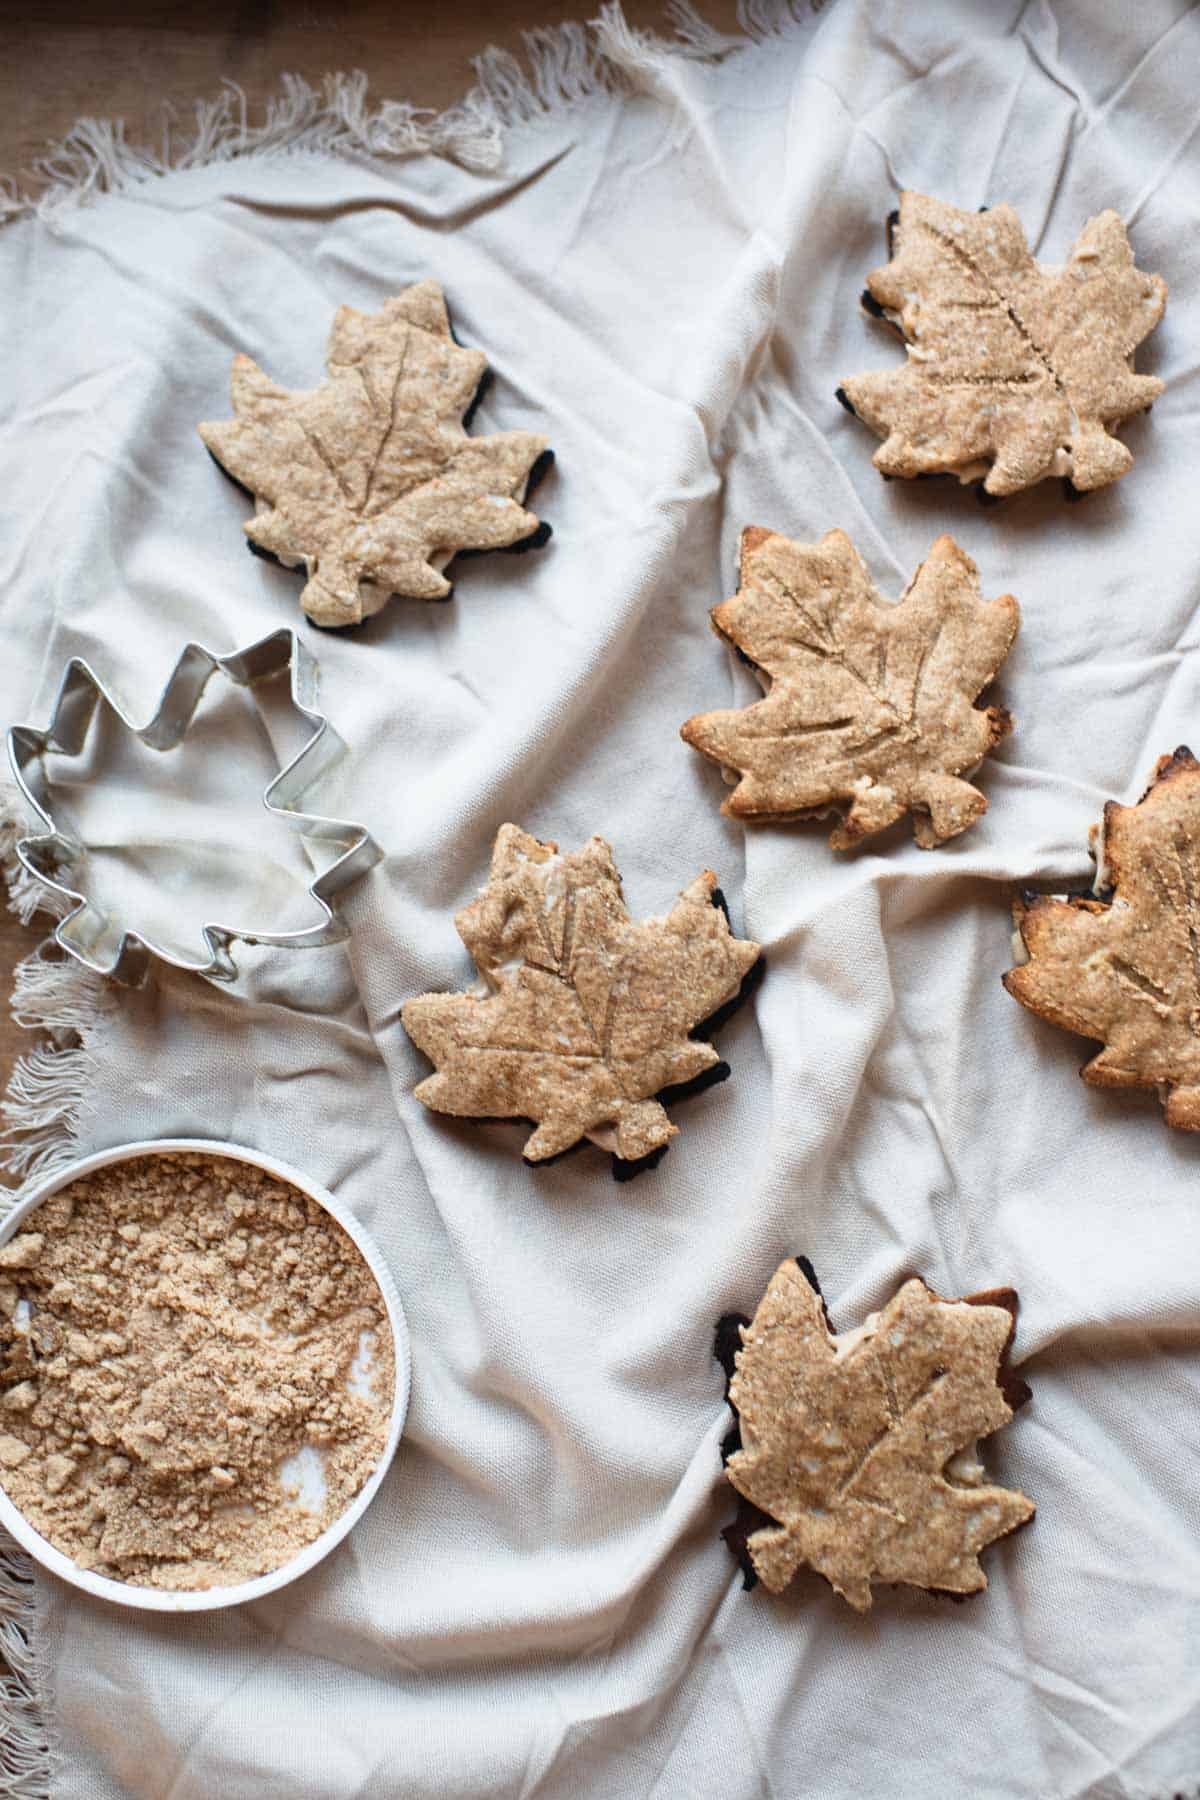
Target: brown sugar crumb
{"type": "Point", "coordinates": [196, 1371]}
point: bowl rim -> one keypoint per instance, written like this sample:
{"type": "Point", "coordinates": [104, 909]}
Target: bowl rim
{"type": "Point", "coordinates": [148, 1599]}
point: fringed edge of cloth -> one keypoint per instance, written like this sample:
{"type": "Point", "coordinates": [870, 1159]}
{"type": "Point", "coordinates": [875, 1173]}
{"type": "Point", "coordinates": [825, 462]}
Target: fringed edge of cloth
{"type": "Point", "coordinates": [47, 1097]}
{"type": "Point", "coordinates": [560, 67]}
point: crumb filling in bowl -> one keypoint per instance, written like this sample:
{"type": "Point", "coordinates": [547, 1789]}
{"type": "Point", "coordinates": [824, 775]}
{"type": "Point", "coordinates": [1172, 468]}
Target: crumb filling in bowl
{"type": "Point", "coordinates": [196, 1371]}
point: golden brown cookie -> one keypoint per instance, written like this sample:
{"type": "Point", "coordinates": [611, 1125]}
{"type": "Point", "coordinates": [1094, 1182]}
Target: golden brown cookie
{"type": "Point", "coordinates": [1125, 969]}
{"type": "Point", "coordinates": [1014, 371]}
{"type": "Point", "coordinates": [581, 1017]}
{"type": "Point", "coordinates": [859, 1452]}
{"type": "Point", "coordinates": [370, 482]}
{"type": "Point", "coordinates": [869, 705]}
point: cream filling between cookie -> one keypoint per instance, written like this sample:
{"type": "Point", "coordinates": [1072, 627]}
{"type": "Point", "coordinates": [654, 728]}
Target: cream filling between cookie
{"type": "Point", "coordinates": [843, 1342]}
{"type": "Point", "coordinates": [1098, 848]}
{"type": "Point", "coordinates": [964, 1468]}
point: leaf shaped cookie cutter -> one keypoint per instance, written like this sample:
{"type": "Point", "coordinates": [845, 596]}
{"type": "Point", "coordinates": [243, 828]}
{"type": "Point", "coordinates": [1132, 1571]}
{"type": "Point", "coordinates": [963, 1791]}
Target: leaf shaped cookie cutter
{"type": "Point", "coordinates": [87, 932]}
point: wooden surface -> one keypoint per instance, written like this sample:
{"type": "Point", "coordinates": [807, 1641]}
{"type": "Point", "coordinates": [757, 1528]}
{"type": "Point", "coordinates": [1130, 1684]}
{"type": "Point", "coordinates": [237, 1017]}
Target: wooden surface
{"type": "Point", "coordinates": [149, 61]}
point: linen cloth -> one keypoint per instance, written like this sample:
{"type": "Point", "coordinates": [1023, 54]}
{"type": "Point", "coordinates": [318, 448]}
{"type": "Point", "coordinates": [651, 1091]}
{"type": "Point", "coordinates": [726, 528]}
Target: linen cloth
{"type": "Point", "coordinates": [665, 280]}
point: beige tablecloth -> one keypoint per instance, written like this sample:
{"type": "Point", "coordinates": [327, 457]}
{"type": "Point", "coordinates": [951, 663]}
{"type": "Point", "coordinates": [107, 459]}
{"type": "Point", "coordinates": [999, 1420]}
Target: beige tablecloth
{"type": "Point", "coordinates": [664, 268]}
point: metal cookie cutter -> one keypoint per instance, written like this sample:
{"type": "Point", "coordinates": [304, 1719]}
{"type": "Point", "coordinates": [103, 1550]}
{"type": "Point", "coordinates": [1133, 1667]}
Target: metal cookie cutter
{"type": "Point", "coordinates": [87, 933]}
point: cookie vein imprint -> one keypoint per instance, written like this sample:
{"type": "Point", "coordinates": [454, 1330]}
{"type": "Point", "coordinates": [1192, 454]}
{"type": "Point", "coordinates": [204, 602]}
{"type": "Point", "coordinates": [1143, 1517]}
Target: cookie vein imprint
{"type": "Point", "coordinates": [1015, 371]}
{"type": "Point", "coordinates": [196, 1371]}
{"type": "Point", "coordinates": [869, 705]}
{"type": "Point", "coordinates": [371, 481]}
{"type": "Point", "coordinates": [581, 1016]}
{"type": "Point", "coordinates": [862, 1448]}
{"type": "Point", "coordinates": [1125, 968]}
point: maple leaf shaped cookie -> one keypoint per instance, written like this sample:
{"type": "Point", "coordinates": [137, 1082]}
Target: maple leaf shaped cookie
{"type": "Point", "coordinates": [582, 1016]}
{"type": "Point", "coordinates": [869, 706]}
{"type": "Point", "coordinates": [861, 1449]}
{"type": "Point", "coordinates": [370, 481]}
{"type": "Point", "coordinates": [1126, 970]}
{"type": "Point", "coordinates": [1014, 371]}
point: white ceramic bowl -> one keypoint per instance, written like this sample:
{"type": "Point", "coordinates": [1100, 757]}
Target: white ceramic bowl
{"type": "Point", "coordinates": [209, 1599]}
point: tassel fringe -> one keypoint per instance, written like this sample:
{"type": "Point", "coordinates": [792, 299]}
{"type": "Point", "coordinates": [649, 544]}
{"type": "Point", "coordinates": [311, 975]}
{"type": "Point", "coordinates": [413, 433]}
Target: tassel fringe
{"type": "Point", "coordinates": [560, 68]}
{"type": "Point", "coordinates": [45, 1101]}
{"type": "Point", "coordinates": [26, 1754]}
{"type": "Point", "coordinates": [63, 1002]}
